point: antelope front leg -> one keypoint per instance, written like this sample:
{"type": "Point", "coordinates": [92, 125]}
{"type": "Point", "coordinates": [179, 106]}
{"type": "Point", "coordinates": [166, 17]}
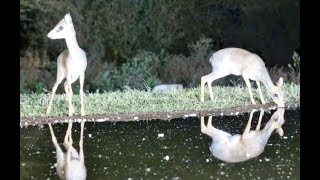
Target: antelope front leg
{"type": "Point", "coordinates": [260, 93]}
{"type": "Point", "coordinates": [260, 118]}
{"type": "Point", "coordinates": [82, 94]}
{"type": "Point", "coordinates": [69, 93]}
{"type": "Point", "coordinates": [203, 82]}
{"type": "Point", "coordinates": [210, 89]}
{"type": "Point", "coordinates": [247, 129]}
{"type": "Point", "coordinates": [71, 109]}
{"type": "Point", "coordinates": [52, 94]}
{"type": "Point", "coordinates": [67, 137]}
{"type": "Point", "coordinates": [249, 88]}
{"type": "Point", "coordinates": [59, 152]}
{"type": "Point", "coordinates": [81, 154]}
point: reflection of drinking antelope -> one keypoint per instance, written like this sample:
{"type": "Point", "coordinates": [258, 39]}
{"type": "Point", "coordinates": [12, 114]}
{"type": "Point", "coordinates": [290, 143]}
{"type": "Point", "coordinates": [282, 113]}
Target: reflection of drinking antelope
{"type": "Point", "coordinates": [71, 63]}
{"type": "Point", "coordinates": [238, 148]}
{"type": "Point", "coordinates": [238, 61]}
{"type": "Point", "coordinates": [70, 165]}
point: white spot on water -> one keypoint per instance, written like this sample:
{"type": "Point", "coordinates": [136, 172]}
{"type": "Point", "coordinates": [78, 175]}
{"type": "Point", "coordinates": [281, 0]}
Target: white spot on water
{"type": "Point", "coordinates": [90, 135]}
{"type": "Point", "coordinates": [148, 169]}
{"type": "Point", "coordinates": [207, 160]}
{"type": "Point", "coordinates": [160, 135]}
{"type": "Point", "coordinates": [166, 158]}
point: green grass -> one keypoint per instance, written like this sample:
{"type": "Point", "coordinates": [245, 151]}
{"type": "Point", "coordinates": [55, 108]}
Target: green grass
{"type": "Point", "coordinates": [135, 101]}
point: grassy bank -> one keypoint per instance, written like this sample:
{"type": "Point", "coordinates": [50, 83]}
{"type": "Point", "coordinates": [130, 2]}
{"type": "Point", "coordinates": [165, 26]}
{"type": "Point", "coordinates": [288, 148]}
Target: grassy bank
{"type": "Point", "coordinates": [135, 101]}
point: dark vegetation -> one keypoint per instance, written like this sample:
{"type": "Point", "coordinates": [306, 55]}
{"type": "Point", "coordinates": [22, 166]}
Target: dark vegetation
{"type": "Point", "coordinates": [139, 43]}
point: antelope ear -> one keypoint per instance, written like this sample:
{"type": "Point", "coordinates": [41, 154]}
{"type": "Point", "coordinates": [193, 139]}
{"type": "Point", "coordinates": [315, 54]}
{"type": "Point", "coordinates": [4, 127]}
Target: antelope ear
{"type": "Point", "coordinates": [280, 82]}
{"type": "Point", "coordinates": [68, 18]}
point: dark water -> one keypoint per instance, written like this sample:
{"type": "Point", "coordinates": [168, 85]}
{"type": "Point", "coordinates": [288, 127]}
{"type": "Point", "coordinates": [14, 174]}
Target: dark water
{"type": "Point", "coordinates": [158, 149]}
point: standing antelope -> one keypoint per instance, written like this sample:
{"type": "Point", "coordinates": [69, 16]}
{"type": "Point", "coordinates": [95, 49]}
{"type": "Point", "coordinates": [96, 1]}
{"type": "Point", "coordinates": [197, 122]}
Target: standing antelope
{"type": "Point", "coordinates": [238, 61]}
{"type": "Point", "coordinates": [239, 148]}
{"type": "Point", "coordinates": [70, 165]}
{"type": "Point", "coordinates": [71, 63]}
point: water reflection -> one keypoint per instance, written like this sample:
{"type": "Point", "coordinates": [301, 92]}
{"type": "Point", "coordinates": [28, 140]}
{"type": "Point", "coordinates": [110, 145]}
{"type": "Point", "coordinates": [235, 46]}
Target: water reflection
{"type": "Point", "coordinates": [160, 149]}
{"type": "Point", "coordinates": [70, 165]}
{"type": "Point", "coordinates": [245, 146]}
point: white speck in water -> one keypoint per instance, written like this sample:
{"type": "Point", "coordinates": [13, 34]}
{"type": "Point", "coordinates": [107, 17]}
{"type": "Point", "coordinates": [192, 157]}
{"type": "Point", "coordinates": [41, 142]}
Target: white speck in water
{"type": "Point", "coordinates": [51, 167]}
{"type": "Point", "coordinates": [37, 152]}
{"type": "Point", "coordinates": [285, 137]}
{"type": "Point", "coordinates": [148, 169]}
{"type": "Point", "coordinates": [104, 167]}
{"type": "Point", "coordinates": [90, 135]}
{"type": "Point", "coordinates": [143, 139]}
{"type": "Point", "coordinates": [260, 160]}
{"type": "Point", "coordinates": [222, 173]}
{"type": "Point", "coordinates": [166, 158]}
{"type": "Point", "coordinates": [267, 159]}
{"type": "Point", "coordinates": [129, 178]}
{"type": "Point", "coordinates": [160, 135]}
{"type": "Point", "coordinates": [99, 155]}
{"type": "Point", "coordinates": [55, 165]}
{"type": "Point", "coordinates": [207, 160]}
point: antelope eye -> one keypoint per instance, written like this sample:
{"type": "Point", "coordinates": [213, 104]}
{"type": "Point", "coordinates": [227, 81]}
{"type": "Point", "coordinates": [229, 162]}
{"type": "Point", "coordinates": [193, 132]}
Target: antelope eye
{"type": "Point", "coordinates": [61, 28]}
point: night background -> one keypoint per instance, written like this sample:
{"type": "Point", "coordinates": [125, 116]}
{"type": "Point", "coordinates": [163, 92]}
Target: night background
{"type": "Point", "coordinates": [149, 42]}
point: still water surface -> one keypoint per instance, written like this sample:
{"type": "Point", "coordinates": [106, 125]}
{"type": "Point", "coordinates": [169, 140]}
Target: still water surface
{"type": "Point", "coordinates": [158, 149]}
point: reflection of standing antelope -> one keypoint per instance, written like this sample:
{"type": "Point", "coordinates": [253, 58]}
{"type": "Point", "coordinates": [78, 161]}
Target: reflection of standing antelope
{"type": "Point", "coordinates": [71, 63]}
{"type": "Point", "coordinates": [70, 165]}
{"type": "Point", "coordinates": [238, 61]}
{"type": "Point", "coordinates": [238, 148]}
